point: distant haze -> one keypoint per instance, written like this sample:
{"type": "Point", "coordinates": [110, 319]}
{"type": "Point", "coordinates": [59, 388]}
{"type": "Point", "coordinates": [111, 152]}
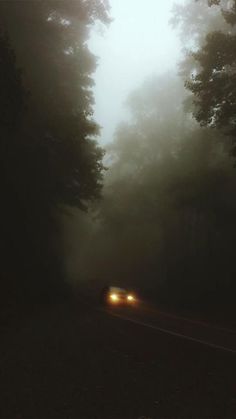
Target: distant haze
{"type": "Point", "coordinates": [139, 43]}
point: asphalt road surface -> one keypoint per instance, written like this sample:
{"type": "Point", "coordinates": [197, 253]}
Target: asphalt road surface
{"type": "Point", "coordinates": [80, 361]}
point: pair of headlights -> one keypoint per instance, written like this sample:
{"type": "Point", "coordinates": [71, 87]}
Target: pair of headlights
{"type": "Point", "coordinates": [115, 297]}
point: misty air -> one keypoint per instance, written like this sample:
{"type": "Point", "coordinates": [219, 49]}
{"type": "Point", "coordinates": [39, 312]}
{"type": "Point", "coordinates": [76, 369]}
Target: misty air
{"type": "Point", "coordinates": [118, 173]}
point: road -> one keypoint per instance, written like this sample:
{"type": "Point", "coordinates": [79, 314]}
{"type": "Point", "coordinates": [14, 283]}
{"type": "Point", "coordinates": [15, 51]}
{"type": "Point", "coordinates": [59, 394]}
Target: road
{"type": "Point", "coordinates": [80, 361]}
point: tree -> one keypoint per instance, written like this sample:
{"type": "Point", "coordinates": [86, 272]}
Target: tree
{"type": "Point", "coordinates": [214, 87]}
{"type": "Point", "coordinates": [53, 160]}
{"type": "Point", "coordinates": [58, 71]}
{"type": "Point", "coordinates": [211, 68]}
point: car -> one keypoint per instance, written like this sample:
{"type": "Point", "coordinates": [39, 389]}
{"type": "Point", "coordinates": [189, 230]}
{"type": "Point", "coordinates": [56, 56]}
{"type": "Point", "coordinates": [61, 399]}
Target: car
{"type": "Point", "coordinates": [115, 296]}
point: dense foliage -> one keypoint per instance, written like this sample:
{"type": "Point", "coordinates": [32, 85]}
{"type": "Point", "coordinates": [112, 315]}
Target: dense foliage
{"type": "Point", "coordinates": [49, 155]}
{"type": "Point", "coordinates": [211, 74]}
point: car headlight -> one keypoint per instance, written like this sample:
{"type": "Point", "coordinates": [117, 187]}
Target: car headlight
{"type": "Point", "coordinates": [130, 298]}
{"type": "Point", "coordinates": [114, 297]}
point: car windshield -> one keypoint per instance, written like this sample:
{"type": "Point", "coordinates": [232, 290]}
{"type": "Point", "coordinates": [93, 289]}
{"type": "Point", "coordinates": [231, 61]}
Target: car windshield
{"type": "Point", "coordinates": [118, 290]}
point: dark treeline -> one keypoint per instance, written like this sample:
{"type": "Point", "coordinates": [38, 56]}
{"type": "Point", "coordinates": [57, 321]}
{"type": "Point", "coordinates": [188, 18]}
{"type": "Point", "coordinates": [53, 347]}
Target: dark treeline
{"type": "Point", "coordinates": [50, 160]}
{"type": "Point", "coordinates": [166, 223]}
{"type": "Point", "coordinates": [166, 220]}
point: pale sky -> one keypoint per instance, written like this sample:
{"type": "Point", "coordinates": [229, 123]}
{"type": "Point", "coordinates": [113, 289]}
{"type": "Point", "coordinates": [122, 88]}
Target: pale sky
{"type": "Point", "coordinates": [139, 43]}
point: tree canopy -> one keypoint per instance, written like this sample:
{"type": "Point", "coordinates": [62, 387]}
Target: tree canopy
{"type": "Point", "coordinates": [50, 157]}
{"type": "Point", "coordinates": [211, 75]}
{"type": "Point", "coordinates": [49, 39]}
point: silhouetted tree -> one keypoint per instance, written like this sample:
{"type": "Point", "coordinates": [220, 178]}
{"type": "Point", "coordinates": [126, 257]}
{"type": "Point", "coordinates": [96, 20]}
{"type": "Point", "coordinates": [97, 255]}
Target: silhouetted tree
{"type": "Point", "coordinates": [53, 160]}
{"type": "Point", "coordinates": [214, 87]}
{"type": "Point", "coordinates": [210, 63]}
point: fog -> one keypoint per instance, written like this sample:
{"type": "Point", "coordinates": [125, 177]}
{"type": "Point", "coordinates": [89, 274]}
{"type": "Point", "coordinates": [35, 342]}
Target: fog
{"type": "Point", "coordinates": [139, 42]}
{"type": "Point", "coordinates": [118, 208]}
{"type": "Point", "coordinates": [159, 226]}
{"type": "Point", "coordinates": [149, 200]}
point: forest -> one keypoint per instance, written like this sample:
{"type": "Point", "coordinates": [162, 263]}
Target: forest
{"type": "Point", "coordinates": [154, 209]}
